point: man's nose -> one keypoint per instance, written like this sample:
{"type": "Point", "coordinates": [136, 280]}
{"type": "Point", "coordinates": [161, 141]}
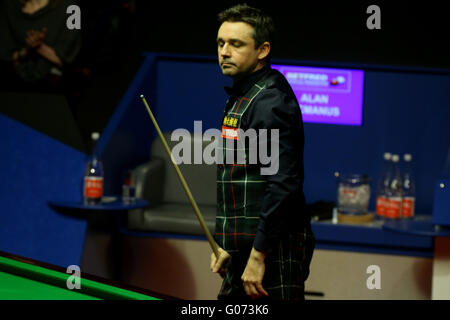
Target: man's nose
{"type": "Point", "coordinates": [225, 50]}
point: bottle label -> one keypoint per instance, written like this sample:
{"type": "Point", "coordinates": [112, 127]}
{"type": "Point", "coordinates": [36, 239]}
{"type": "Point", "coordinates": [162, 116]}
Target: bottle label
{"type": "Point", "coordinates": [393, 207]}
{"type": "Point", "coordinates": [408, 207]}
{"type": "Point", "coordinates": [93, 187]}
{"type": "Point", "coordinates": [381, 206]}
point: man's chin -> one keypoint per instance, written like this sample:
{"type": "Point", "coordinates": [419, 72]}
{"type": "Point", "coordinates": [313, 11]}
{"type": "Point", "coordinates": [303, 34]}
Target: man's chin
{"type": "Point", "coordinates": [228, 72]}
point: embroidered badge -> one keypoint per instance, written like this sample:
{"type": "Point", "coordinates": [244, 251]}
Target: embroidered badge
{"type": "Point", "coordinates": [230, 126]}
{"type": "Point", "coordinates": [232, 122]}
{"type": "Point", "coordinates": [230, 133]}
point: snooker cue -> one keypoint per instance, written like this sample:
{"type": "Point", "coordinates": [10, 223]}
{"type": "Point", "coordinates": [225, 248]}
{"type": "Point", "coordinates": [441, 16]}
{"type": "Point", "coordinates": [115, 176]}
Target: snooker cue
{"type": "Point", "coordinates": [211, 241]}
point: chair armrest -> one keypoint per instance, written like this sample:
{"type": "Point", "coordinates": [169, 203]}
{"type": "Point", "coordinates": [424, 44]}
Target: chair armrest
{"type": "Point", "coordinates": [149, 179]}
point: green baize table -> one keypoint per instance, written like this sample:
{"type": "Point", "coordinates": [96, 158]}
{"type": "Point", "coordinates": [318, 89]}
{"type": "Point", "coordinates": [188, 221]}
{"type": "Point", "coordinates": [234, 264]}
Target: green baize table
{"type": "Point", "coordinates": [26, 279]}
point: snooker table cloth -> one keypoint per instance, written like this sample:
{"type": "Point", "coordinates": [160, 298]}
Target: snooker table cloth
{"type": "Point", "coordinates": [26, 279]}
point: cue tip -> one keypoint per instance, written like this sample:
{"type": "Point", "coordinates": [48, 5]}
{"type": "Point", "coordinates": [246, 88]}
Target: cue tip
{"type": "Point", "coordinates": [142, 96]}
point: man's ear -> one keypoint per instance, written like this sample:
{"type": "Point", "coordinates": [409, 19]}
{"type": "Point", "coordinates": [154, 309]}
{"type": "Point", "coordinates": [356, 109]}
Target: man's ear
{"type": "Point", "coordinates": [264, 50]}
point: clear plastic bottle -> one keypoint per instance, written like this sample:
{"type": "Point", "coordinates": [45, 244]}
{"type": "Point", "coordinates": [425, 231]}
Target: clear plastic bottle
{"type": "Point", "coordinates": [395, 191]}
{"type": "Point", "coordinates": [383, 184]}
{"type": "Point", "coordinates": [93, 176]}
{"type": "Point", "coordinates": [409, 188]}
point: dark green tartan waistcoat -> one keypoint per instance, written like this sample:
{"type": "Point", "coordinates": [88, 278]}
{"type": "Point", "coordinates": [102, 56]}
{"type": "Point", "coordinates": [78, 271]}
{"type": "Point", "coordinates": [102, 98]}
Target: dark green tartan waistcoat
{"type": "Point", "coordinates": [240, 186]}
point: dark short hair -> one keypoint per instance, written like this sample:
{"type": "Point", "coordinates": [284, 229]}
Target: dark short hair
{"type": "Point", "coordinates": [262, 23]}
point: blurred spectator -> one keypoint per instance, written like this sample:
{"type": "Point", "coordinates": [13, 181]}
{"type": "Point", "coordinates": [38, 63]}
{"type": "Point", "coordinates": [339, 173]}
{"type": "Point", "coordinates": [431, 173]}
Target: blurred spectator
{"type": "Point", "coordinates": [38, 48]}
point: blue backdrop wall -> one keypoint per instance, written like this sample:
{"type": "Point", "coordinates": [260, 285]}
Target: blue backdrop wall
{"type": "Point", "coordinates": [405, 110]}
{"type": "Point", "coordinates": [36, 169]}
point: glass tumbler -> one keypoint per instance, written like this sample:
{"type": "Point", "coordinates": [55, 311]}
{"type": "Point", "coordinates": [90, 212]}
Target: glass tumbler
{"type": "Point", "coordinates": [353, 194]}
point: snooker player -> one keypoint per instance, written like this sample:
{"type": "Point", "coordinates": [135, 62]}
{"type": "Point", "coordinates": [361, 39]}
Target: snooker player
{"type": "Point", "coordinates": [263, 228]}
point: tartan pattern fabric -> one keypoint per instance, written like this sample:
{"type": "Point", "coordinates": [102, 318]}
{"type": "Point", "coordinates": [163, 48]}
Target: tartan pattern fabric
{"type": "Point", "coordinates": [286, 270]}
{"type": "Point", "coordinates": [239, 185]}
{"type": "Point", "coordinates": [241, 192]}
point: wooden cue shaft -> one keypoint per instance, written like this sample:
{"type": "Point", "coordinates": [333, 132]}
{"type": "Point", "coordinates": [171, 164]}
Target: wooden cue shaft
{"type": "Point", "coordinates": [211, 241]}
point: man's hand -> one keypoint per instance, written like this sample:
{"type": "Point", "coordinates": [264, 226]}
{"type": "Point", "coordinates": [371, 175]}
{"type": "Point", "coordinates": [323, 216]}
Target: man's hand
{"type": "Point", "coordinates": [254, 274]}
{"type": "Point", "coordinates": [219, 265]}
{"type": "Point", "coordinates": [35, 38]}
{"type": "Point", "coordinates": [17, 55]}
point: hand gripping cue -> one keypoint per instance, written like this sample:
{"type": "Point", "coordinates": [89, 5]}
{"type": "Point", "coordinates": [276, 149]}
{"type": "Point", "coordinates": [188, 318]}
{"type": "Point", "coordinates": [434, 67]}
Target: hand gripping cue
{"type": "Point", "coordinates": [211, 241]}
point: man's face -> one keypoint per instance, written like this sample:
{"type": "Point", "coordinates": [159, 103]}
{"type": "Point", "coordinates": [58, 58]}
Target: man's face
{"type": "Point", "coordinates": [236, 49]}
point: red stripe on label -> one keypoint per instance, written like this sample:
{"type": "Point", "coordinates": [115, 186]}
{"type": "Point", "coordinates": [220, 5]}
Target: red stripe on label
{"type": "Point", "coordinates": [230, 133]}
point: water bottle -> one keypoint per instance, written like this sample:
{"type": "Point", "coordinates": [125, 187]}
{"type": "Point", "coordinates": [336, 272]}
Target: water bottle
{"type": "Point", "coordinates": [409, 188]}
{"type": "Point", "coordinates": [394, 192]}
{"type": "Point", "coordinates": [383, 184]}
{"type": "Point", "coordinates": [93, 176]}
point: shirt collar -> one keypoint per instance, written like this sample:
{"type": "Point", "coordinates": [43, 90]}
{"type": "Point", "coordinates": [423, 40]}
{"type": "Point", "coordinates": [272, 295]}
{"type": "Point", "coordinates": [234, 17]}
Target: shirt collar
{"type": "Point", "coordinates": [242, 86]}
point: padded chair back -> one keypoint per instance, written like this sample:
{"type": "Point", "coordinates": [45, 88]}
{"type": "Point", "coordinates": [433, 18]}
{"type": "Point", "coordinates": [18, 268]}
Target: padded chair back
{"type": "Point", "coordinates": [201, 178]}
